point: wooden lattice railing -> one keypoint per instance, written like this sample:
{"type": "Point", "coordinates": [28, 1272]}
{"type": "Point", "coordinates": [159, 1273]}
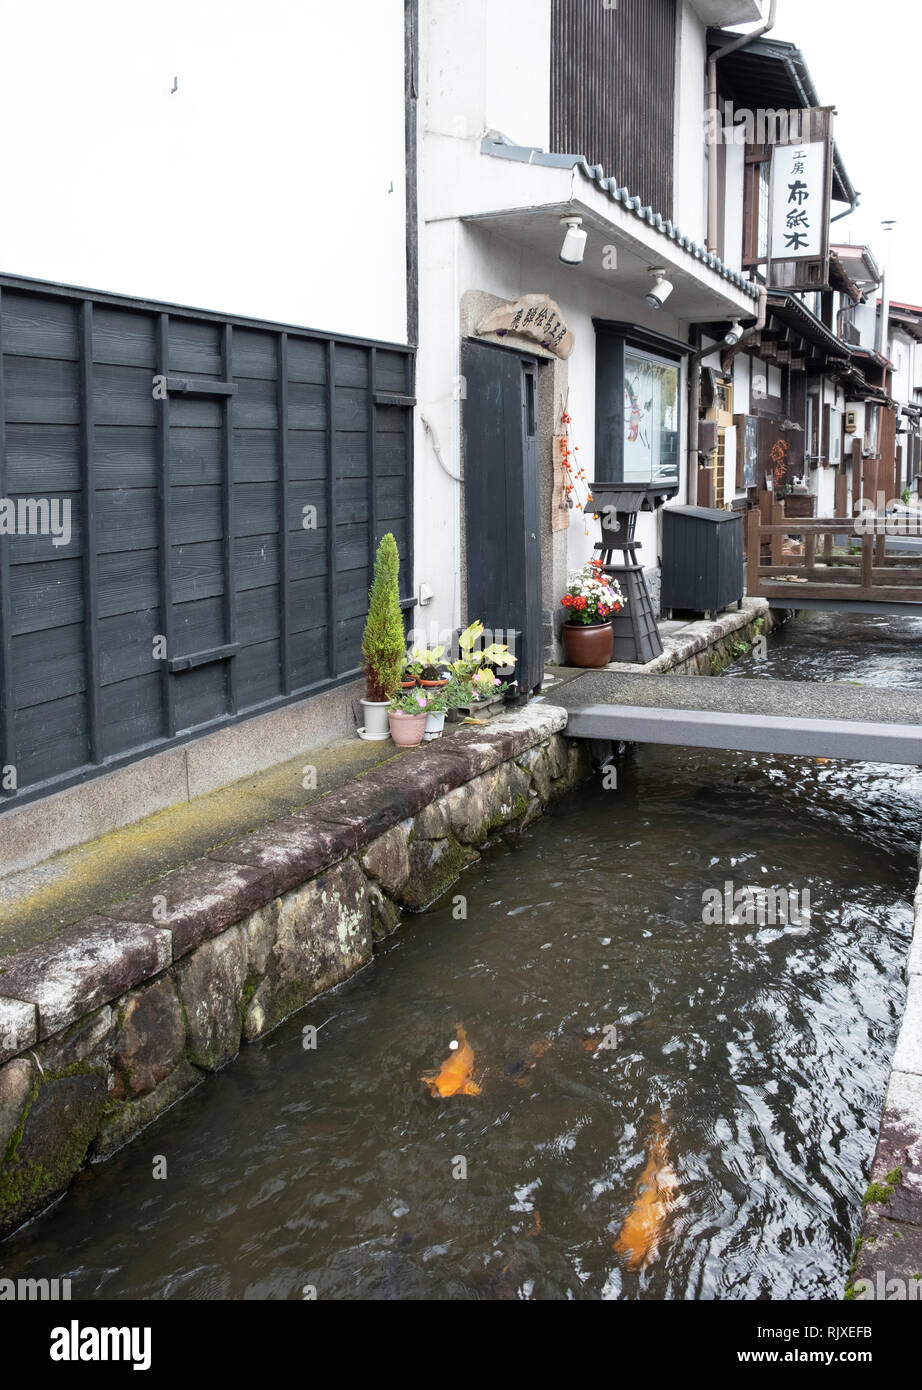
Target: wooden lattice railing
{"type": "Point", "coordinates": [820, 560]}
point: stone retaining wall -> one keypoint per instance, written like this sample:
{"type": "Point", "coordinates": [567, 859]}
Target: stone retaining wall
{"type": "Point", "coordinates": [110, 1022]}
{"type": "Point", "coordinates": [705, 647]}
{"type": "Point", "coordinates": [888, 1255]}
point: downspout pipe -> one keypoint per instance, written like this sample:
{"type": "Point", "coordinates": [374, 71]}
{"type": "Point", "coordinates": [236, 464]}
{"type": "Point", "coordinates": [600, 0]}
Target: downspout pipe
{"type": "Point", "coordinates": [729, 353]}
{"type": "Point", "coordinates": [725, 52]}
{"type": "Point", "coordinates": [694, 386]}
{"type": "Point", "coordinates": [848, 211]}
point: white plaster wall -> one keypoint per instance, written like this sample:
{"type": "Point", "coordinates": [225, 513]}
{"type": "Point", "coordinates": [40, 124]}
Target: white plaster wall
{"type": "Point", "coordinates": [690, 201]}
{"type": "Point", "coordinates": [271, 183]}
{"type": "Point", "coordinates": [742, 373]}
{"type": "Point", "coordinates": [917, 367]}
{"type": "Point", "coordinates": [485, 65]}
{"type": "Point", "coordinates": [901, 350]}
{"type": "Point", "coordinates": [866, 323]}
{"type": "Point", "coordinates": [732, 253]}
{"type": "Point", "coordinates": [822, 483]}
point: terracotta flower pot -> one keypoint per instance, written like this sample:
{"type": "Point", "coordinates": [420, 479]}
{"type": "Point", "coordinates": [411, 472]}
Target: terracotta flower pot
{"type": "Point", "coordinates": [409, 684]}
{"type": "Point", "coordinates": [588, 644]}
{"type": "Point", "coordinates": [407, 729]}
{"type": "Point", "coordinates": [434, 685]}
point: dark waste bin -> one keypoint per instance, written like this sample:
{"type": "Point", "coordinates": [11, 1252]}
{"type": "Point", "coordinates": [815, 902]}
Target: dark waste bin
{"type": "Point", "coordinates": [702, 559]}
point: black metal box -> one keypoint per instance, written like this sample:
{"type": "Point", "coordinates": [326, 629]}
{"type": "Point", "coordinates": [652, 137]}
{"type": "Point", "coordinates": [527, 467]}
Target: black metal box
{"type": "Point", "coordinates": [702, 559]}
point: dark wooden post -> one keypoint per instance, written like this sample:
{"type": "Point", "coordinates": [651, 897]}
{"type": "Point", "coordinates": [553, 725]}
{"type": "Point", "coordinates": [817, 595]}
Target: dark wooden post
{"type": "Point", "coordinates": [867, 562]}
{"type": "Point", "coordinates": [777, 536]}
{"type": "Point", "coordinates": [753, 545]}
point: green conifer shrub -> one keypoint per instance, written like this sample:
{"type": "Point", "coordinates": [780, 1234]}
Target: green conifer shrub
{"type": "Point", "coordinates": [383, 640]}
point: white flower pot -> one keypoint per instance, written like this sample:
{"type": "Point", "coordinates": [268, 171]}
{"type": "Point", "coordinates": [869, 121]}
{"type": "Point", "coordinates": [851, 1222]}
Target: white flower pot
{"type": "Point", "coordinates": [377, 728]}
{"type": "Point", "coordinates": [435, 723]}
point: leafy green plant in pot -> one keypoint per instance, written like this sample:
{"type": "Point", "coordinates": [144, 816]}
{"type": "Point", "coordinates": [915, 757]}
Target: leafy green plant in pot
{"type": "Point", "coordinates": [382, 641]}
{"type": "Point", "coordinates": [478, 664]}
{"type": "Point", "coordinates": [433, 674]}
{"type": "Point", "coordinates": [409, 675]}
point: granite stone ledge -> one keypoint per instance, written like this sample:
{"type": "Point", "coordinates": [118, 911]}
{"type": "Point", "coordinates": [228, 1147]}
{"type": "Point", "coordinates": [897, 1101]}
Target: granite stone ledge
{"type": "Point", "coordinates": [86, 965]}
{"type": "Point", "coordinates": [908, 1054]}
{"type": "Point", "coordinates": [18, 1026]}
{"type": "Point", "coordinates": [199, 902]}
{"type": "Point", "coordinates": [291, 850]}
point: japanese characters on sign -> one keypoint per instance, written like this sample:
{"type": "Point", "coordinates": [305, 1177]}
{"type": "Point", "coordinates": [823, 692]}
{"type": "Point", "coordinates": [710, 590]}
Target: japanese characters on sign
{"type": "Point", "coordinates": [534, 316]}
{"type": "Point", "coordinates": [798, 208]}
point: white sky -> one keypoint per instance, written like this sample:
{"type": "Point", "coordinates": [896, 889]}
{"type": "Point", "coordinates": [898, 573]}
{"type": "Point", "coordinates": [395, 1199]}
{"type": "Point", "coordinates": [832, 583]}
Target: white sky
{"type": "Point", "coordinates": [864, 58]}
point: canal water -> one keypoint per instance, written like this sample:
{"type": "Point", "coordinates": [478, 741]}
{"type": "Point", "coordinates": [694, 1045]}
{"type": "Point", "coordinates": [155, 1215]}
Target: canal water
{"type": "Point", "coordinates": [675, 1102]}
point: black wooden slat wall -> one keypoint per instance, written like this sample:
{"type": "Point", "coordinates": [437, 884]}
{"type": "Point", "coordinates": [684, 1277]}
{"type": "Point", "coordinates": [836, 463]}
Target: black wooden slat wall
{"type": "Point", "coordinates": [190, 591]}
{"type": "Point", "coordinates": [613, 91]}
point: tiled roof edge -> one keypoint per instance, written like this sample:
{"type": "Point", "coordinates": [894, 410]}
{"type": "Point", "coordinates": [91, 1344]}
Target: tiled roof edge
{"type": "Point", "coordinates": [500, 147]}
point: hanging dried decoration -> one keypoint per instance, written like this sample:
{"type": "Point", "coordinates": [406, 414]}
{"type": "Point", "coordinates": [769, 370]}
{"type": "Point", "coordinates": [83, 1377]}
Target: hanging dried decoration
{"type": "Point", "coordinates": [575, 485]}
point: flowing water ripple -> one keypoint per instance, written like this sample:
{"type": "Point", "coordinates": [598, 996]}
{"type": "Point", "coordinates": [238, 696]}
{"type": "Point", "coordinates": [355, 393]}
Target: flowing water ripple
{"type": "Point", "coordinates": [757, 1052]}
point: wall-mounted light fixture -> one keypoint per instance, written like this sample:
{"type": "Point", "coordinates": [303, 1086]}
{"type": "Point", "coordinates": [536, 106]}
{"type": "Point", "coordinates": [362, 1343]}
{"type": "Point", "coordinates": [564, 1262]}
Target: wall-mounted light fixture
{"type": "Point", "coordinates": [733, 333]}
{"type": "Point", "coordinates": [661, 290]}
{"type": "Point", "coordinates": [574, 243]}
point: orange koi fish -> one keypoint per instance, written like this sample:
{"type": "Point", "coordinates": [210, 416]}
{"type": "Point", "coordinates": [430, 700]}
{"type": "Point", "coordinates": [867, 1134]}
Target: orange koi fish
{"type": "Point", "coordinates": [656, 1192]}
{"type": "Point", "coordinates": [454, 1077]}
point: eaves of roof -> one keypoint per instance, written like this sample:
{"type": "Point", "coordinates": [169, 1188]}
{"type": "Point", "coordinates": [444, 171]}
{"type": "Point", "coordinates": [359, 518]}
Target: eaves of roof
{"type": "Point", "coordinates": [769, 74]}
{"type": "Point", "coordinates": [502, 148]}
{"type": "Point", "coordinates": [793, 312]}
{"type": "Point", "coordinates": [859, 386]}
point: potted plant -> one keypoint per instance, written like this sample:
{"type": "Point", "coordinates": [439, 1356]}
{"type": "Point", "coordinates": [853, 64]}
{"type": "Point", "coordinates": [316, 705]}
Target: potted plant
{"type": "Point", "coordinates": [487, 686]}
{"type": "Point", "coordinates": [433, 674]}
{"type": "Point", "coordinates": [592, 599]}
{"type": "Point", "coordinates": [409, 675]}
{"type": "Point", "coordinates": [407, 714]}
{"type": "Point", "coordinates": [475, 657]}
{"type": "Point", "coordinates": [382, 641]}
{"type": "Point", "coordinates": [437, 706]}
{"type": "Point", "coordinates": [459, 695]}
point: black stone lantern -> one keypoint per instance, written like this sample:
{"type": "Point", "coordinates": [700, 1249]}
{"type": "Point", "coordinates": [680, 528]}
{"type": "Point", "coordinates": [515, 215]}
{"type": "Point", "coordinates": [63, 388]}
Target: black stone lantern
{"type": "Point", "coordinates": [637, 638]}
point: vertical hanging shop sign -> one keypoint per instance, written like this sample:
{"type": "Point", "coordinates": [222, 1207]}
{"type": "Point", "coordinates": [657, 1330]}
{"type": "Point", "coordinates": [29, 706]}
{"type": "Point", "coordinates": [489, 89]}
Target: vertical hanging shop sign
{"type": "Point", "coordinates": [801, 194]}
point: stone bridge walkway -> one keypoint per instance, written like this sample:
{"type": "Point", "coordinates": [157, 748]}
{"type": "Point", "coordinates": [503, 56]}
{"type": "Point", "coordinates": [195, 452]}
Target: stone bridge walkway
{"type": "Point", "coordinates": [815, 719]}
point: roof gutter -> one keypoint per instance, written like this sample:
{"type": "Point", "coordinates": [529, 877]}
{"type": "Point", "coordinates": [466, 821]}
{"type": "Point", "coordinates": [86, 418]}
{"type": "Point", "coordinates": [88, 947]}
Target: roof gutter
{"type": "Point", "coordinates": [848, 211]}
{"type": "Point", "coordinates": [724, 52]}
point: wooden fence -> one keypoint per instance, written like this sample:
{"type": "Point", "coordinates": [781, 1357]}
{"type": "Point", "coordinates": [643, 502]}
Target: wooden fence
{"type": "Point", "coordinates": [825, 564]}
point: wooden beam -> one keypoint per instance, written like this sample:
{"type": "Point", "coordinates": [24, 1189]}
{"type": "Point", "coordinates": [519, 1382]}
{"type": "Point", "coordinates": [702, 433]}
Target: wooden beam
{"type": "Point", "coordinates": [777, 529]}
{"type": "Point", "coordinates": [332, 642]}
{"type": "Point", "coordinates": [867, 560]}
{"type": "Point", "coordinates": [168, 701]}
{"type": "Point", "coordinates": [90, 584]}
{"type": "Point", "coordinates": [230, 568]}
{"type": "Point", "coordinates": [284, 543]}
{"type": "Point", "coordinates": [753, 548]}
{"type": "Point", "coordinates": [7, 695]}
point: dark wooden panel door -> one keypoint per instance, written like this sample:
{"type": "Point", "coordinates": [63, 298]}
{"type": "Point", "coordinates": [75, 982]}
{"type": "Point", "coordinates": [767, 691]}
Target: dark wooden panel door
{"type": "Point", "coordinates": [502, 506]}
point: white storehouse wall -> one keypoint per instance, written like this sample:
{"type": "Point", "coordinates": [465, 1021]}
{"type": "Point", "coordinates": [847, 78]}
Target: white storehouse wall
{"type": "Point", "coordinates": [271, 183]}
